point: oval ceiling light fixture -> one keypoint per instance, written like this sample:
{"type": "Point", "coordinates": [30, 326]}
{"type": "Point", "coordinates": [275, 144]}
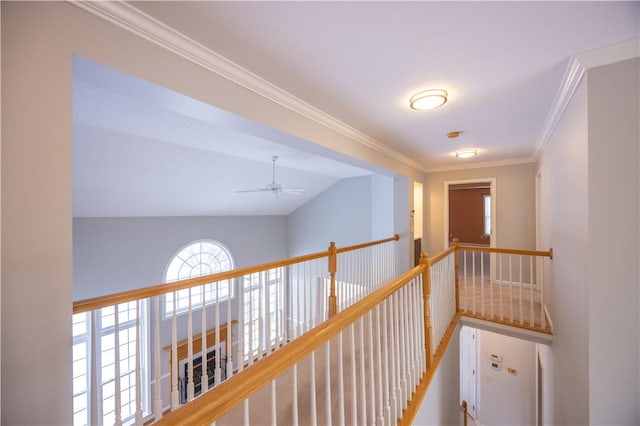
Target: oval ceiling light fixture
{"type": "Point", "coordinates": [467, 153]}
{"type": "Point", "coordinates": [428, 99]}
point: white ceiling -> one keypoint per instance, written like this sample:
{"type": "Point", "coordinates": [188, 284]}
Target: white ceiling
{"type": "Point", "coordinates": [501, 62]}
{"type": "Point", "coordinates": [143, 150]}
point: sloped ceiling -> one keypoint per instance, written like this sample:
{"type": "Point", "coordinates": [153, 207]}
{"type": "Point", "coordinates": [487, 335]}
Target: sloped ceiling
{"type": "Point", "coordinates": [501, 62]}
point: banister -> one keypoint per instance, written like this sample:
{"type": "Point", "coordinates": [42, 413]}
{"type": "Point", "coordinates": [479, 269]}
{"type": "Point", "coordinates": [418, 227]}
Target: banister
{"type": "Point", "coordinates": [444, 253]}
{"type": "Point", "coordinates": [160, 289]}
{"type": "Point", "coordinates": [228, 394]}
{"type": "Point", "coordinates": [396, 237]}
{"type": "Point", "coordinates": [548, 253]}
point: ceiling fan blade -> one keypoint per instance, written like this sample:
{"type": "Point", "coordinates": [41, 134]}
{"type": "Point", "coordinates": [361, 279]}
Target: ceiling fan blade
{"type": "Point", "coordinates": [253, 190]}
{"type": "Point", "coordinates": [274, 187]}
{"type": "Point", "coordinates": [293, 191]}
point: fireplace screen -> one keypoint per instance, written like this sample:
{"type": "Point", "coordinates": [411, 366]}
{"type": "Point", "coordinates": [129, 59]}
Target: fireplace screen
{"type": "Point", "coordinates": [197, 374]}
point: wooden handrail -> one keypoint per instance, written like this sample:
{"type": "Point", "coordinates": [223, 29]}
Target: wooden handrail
{"type": "Point", "coordinates": [230, 393]}
{"type": "Point", "coordinates": [444, 253]}
{"type": "Point", "coordinates": [160, 289]}
{"type": "Point", "coordinates": [396, 237]}
{"type": "Point", "coordinates": [548, 253]}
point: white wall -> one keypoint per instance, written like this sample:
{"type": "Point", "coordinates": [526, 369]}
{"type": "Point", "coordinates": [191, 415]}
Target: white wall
{"type": "Point", "coordinates": [39, 39]}
{"type": "Point", "coordinates": [505, 398]}
{"type": "Point", "coordinates": [441, 403]}
{"type": "Point", "coordinates": [119, 254]}
{"type": "Point", "coordinates": [613, 250]}
{"type": "Point", "coordinates": [515, 211]}
{"type": "Point", "coordinates": [381, 207]}
{"type": "Point", "coordinates": [591, 214]}
{"type": "Point", "coordinates": [341, 213]}
{"type": "Point", "coordinates": [564, 219]}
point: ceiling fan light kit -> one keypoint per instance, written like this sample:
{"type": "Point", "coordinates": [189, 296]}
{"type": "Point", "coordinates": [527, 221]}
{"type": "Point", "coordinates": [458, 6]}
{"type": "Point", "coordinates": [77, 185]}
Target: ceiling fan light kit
{"type": "Point", "coordinates": [273, 187]}
{"type": "Point", "coordinates": [428, 99]}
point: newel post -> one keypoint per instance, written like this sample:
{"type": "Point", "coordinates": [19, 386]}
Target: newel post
{"type": "Point", "coordinates": [456, 263]}
{"type": "Point", "coordinates": [333, 263]}
{"type": "Point", "coordinates": [426, 297]}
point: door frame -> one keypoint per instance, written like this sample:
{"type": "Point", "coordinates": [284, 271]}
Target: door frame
{"type": "Point", "coordinates": [492, 191]}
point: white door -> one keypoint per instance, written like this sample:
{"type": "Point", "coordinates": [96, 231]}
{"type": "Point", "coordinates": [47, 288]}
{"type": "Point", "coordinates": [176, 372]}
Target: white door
{"type": "Point", "coordinates": [468, 370]}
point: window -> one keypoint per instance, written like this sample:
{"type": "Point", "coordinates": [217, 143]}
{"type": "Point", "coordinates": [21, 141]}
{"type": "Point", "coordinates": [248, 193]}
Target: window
{"type": "Point", "coordinates": [263, 299]}
{"type": "Point", "coordinates": [487, 214]}
{"type": "Point", "coordinates": [196, 259]}
{"type": "Point", "coordinates": [81, 368]}
{"type": "Point", "coordinates": [102, 379]}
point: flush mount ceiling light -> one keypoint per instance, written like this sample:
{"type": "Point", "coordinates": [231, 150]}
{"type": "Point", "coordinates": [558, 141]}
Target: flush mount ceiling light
{"type": "Point", "coordinates": [467, 153]}
{"type": "Point", "coordinates": [428, 99]}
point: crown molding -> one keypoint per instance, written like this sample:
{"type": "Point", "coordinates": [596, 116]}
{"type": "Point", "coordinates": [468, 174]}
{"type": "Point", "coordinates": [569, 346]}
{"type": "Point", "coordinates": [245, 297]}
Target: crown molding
{"type": "Point", "coordinates": [576, 69]}
{"type": "Point", "coordinates": [139, 23]}
{"type": "Point", "coordinates": [483, 164]}
{"type": "Point", "coordinates": [617, 52]}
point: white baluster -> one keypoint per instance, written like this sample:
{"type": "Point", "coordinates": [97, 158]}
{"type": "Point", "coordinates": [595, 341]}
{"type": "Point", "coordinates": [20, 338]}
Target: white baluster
{"type": "Point", "coordinates": [464, 279]}
{"type": "Point", "coordinates": [385, 350]}
{"type": "Point", "coordinates": [157, 406]}
{"type": "Point", "coordinates": [294, 402]}
{"type": "Point", "coordinates": [372, 377]}
{"type": "Point", "coordinates": [267, 310]}
{"type": "Point", "coordinates": [402, 377]}
{"type": "Point", "coordinates": [341, 414]}
{"type": "Point", "coordinates": [473, 279]}
{"type": "Point", "coordinates": [543, 319]}
{"type": "Point", "coordinates": [398, 354]}
{"type": "Point", "coordinates": [531, 290]}
{"type": "Point", "coordinates": [490, 285]}
{"type": "Point", "coordinates": [138, 368]}
{"type": "Point", "coordinates": [218, 370]}
{"type": "Point", "coordinates": [175, 395]}
{"type": "Point", "coordinates": [118, 402]}
{"type": "Point", "coordinates": [327, 371]}
{"type": "Point", "coordinates": [251, 302]}
{"type": "Point", "coordinates": [380, 375]}
{"type": "Point", "coordinates": [190, 378]}
{"type": "Point", "coordinates": [510, 289]}
{"type": "Point", "coordinates": [274, 405]}
{"type": "Point", "coordinates": [204, 378]}
{"type": "Point", "coordinates": [247, 418]}
{"type": "Point", "coordinates": [501, 285]}
{"type": "Point", "coordinates": [482, 298]}
{"type": "Point", "coordinates": [314, 410]}
{"type": "Point", "coordinates": [363, 384]}
{"type": "Point", "coordinates": [261, 312]}
{"type": "Point", "coordinates": [304, 304]}
{"type": "Point", "coordinates": [354, 389]}
{"type": "Point", "coordinates": [228, 344]}
{"type": "Point", "coordinates": [520, 304]}
{"type": "Point", "coordinates": [242, 356]}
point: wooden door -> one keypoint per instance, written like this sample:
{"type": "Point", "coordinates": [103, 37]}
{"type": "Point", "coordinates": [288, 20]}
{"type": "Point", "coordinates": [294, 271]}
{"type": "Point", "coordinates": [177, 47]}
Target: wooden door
{"type": "Point", "coordinates": [467, 214]}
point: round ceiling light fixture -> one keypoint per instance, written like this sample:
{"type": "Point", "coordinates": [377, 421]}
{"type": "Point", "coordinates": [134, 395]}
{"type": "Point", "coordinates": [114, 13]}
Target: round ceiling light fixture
{"type": "Point", "coordinates": [467, 153]}
{"type": "Point", "coordinates": [428, 99]}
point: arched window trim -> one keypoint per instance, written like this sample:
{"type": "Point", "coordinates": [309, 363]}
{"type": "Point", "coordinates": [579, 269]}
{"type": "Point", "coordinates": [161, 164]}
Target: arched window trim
{"type": "Point", "coordinates": [227, 289]}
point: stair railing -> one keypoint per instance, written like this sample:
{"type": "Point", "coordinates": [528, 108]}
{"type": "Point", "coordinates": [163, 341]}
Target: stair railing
{"type": "Point", "coordinates": [361, 366]}
{"type": "Point", "coordinates": [507, 286]}
{"type": "Point", "coordinates": [247, 314]}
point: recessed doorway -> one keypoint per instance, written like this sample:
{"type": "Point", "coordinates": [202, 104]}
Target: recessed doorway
{"type": "Point", "coordinates": [469, 215]}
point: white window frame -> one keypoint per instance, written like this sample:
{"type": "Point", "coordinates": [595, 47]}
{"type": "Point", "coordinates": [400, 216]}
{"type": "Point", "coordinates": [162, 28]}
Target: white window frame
{"type": "Point", "coordinates": [213, 293]}
{"type": "Point", "coordinates": [94, 332]}
{"type": "Point", "coordinates": [264, 334]}
{"type": "Point", "coordinates": [486, 200]}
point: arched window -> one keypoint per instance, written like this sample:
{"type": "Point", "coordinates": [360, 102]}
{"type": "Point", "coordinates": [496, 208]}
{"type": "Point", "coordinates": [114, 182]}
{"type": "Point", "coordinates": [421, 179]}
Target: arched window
{"type": "Point", "coordinates": [198, 258]}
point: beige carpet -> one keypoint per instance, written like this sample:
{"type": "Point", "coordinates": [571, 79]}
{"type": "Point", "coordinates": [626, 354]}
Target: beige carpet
{"type": "Point", "coordinates": [365, 398]}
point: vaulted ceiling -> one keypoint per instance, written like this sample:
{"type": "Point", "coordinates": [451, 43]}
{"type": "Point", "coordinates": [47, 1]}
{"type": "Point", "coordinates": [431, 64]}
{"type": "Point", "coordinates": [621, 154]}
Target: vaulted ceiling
{"type": "Point", "coordinates": [502, 64]}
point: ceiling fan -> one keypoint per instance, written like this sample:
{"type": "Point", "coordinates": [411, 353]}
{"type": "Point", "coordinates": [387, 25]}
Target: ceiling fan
{"type": "Point", "coordinates": [273, 187]}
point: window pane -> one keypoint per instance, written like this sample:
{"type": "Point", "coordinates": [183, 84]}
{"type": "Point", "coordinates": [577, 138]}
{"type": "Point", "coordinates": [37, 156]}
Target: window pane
{"type": "Point", "coordinates": [198, 259]}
